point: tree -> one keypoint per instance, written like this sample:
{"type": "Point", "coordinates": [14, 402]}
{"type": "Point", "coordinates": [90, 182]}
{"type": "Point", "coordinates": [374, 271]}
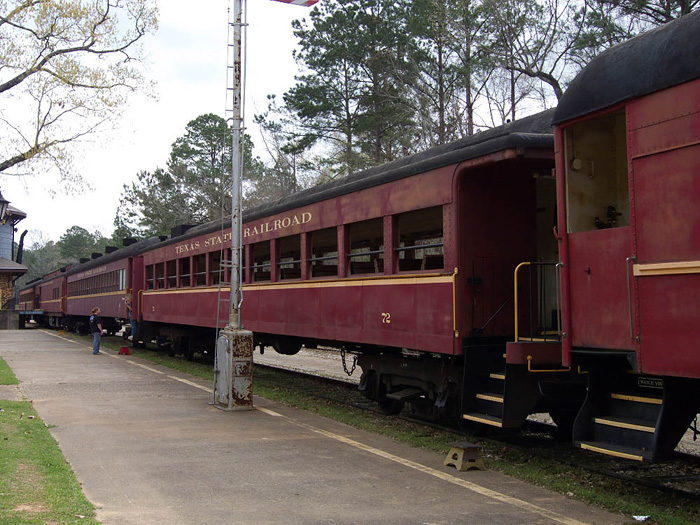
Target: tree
{"type": "Point", "coordinates": [200, 161]}
{"type": "Point", "coordinates": [651, 12]}
{"type": "Point", "coordinates": [445, 69]}
{"type": "Point", "coordinates": [609, 22]}
{"type": "Point", "coordinates": [155, 203]}
{"type": "Point", "coordinates": [350, 100]}
{"type": "Point", "coordinates": [77, 242]}
{"type": "Point", "coordinates": [195, 187]}
{"type": "Point", "coordinates": [66, 69]}
{"type": "Point", "coordinates": [42, 257]}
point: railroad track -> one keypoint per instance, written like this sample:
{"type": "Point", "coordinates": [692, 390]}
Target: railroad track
{"type": "Point", "coordinates": [679, 477]}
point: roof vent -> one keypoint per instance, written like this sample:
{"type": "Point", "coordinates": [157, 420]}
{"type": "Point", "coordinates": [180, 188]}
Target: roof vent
{"type": "Point", "coordinates": [163, 238]}
{"type": "Point", "coordinates": [128, 241]}
{"type": "Point", "coordinates": [110, 249]}
{"type": "Point", "coordinates": [84, 259]}
{"type": "Point", "coordinates": [96, 255]}
{"type": "Point", "coordinates": [180, 229]}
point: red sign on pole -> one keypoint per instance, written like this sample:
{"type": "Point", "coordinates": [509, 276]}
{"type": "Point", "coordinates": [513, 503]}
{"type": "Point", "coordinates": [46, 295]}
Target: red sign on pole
{"type": "Point", "coordinates": [306, 3]}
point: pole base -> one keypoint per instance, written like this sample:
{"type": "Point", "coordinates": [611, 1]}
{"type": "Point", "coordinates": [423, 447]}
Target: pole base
{"type": "Point", "coordinates": [233, 389]}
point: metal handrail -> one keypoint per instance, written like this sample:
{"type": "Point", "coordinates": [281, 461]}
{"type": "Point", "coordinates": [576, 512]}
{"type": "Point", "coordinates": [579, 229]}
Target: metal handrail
{"type": "Point", "coordinates": [515, 293]}
{"type": "Point", "coordinates": [629, 298]}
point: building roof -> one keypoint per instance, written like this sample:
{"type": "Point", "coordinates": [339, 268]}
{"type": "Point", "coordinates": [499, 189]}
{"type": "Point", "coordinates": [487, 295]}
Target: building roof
{"type": "Point", "coordinates": [8, 266]}
{"type": "Point", "coordinates": [16, 213]}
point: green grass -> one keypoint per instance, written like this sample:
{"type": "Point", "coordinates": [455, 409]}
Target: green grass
{"type": "Point", "coordinates": [612, 494]}
{"type": "Point", "coordinates": [6, 375]}
{"type": "Point", "coordinates": [36, 483]}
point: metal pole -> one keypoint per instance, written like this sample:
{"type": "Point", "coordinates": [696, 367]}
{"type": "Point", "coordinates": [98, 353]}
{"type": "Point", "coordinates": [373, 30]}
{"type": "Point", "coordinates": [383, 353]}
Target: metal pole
{"type": "Point", "coordinates": [237, 165]}
{"type": "Point", "coordinates": [234, 348]}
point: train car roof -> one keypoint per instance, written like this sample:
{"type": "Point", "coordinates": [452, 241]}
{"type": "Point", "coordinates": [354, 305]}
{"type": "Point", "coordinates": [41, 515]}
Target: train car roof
{"type": "Point", "coordinates": [655, 60]}
{"type": "Point", "coordinates": [533, 132]}
{"type": "Point", "coordinates": [128, 251]}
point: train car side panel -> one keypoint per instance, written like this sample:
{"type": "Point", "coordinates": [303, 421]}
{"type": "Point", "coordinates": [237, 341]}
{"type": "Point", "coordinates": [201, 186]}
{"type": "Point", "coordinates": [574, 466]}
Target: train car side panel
{"type": "Point", "coordinates": [410, 313]}
{"type": "Point", "coordinates": [104, 286]}
{"type": "Point", "coordinates": [664, 147]}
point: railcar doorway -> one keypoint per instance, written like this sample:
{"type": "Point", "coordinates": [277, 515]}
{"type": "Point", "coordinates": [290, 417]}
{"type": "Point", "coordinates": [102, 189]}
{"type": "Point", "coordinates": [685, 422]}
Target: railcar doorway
{"type": "Point", "coordinates": [599, 233]}
{"type": "Point", "coordinates": [507, 214]}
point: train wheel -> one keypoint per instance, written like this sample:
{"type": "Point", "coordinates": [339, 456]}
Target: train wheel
{"type": "Point", "coordinates": [287, 345]}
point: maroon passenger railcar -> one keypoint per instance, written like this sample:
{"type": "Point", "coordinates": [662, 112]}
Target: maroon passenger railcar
{"type": "Point", "coordinates": [409, 265]}
{"type": "Point", "coordinates": [628, 168]}
{"type": "Point", "coordinates": [109, 282]}
{"type": "Point", "coordinates": [50, 297]}
{"type": "Point", "coordinates": [28, 297]}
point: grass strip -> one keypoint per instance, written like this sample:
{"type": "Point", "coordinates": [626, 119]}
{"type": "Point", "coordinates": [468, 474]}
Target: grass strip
{"type": "Point", "coordinates": [609, 493]}
{"type": "Point", "coordinates": [36, 485]}
{"type": "Point", "coordinates": [7, 377]}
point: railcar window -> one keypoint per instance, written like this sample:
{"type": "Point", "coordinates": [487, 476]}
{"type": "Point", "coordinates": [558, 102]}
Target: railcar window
{"type": "Point", "coordinates": [597, 185]}
{"type": "Point", "coordinates": [290, 257]}
{"type": "Point", "coordinates": [227, 266]}
{"type": "Point", "coordinates": [171, 273]}
{"type": "Point", "coordinates": [261, 261]}
{"type": "Point", "coordinates": [367, 247]}
{"type": "Point", "coordinates": [160, 276]}
{"type": "Point", "coordinates": [200, 269]}
{"type": "Point", "coordinates": [150, 281]}
{"type": "Point", "coordinates": [421, 240]}
{"type": "Point", "coordinates": [185, 271]}
{"type": "Point", "coordinates": [324, 253]}
{"type": "Point", "coordinates": [215, 269]}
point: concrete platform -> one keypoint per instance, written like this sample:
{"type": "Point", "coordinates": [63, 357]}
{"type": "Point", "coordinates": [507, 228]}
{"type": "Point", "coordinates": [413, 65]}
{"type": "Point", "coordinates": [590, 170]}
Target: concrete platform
{"type": "Point", "coordinates": [148, 448]}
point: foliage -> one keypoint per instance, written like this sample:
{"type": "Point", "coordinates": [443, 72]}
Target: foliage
{"type": "Point", "coordinates": [67, 67]}
{"type": "Point", "coordinates": [77, 242]}
{"type": "Point", "coordinates": [607, 22]}
{"type": "Point", "coordinates": [385, 79]}
{"type": "Point", "coordinates": [40, 257]}
{"type": "Point", "coordinates": [349, 100]}
{"type": "Point", "coordinates": [195, 187]}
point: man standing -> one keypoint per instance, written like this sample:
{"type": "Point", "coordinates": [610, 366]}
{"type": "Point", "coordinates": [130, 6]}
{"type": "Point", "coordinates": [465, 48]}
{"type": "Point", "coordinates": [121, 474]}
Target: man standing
{"type": "Point", "coordinates": [96, 330]}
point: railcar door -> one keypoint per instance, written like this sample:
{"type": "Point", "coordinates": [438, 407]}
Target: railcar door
{"type": "Point", "coordinates": [599, 233]}
{"type": "Point", "coordinates": [665, 153]}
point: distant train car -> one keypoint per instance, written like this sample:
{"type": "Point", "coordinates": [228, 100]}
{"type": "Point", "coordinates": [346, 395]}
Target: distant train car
{"type": "Point", "coordinates": [628, 168]}
{"type": "Point", "coordinates": [28, 297]}
{"type": "Point", "coordinates": [110, 282]}
{"type": "Point", "coordinates": [409, 265]}
{"type": "Point", "coordinates": [50, 298]}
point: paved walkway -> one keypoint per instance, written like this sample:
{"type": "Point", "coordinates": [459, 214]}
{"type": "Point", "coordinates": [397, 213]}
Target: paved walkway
{"type": "Point", "coordinates": [148, 448]}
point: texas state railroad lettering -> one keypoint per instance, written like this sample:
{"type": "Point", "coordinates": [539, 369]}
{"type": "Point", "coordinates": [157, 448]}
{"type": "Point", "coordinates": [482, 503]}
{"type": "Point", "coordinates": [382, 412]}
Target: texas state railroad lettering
{"type": "Point", "coordinates": [248, 231]}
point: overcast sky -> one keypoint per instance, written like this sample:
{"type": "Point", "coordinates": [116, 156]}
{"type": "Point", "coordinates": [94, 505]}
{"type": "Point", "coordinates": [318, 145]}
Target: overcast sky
{"type": "Point", "coordinates": [187, 59]}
